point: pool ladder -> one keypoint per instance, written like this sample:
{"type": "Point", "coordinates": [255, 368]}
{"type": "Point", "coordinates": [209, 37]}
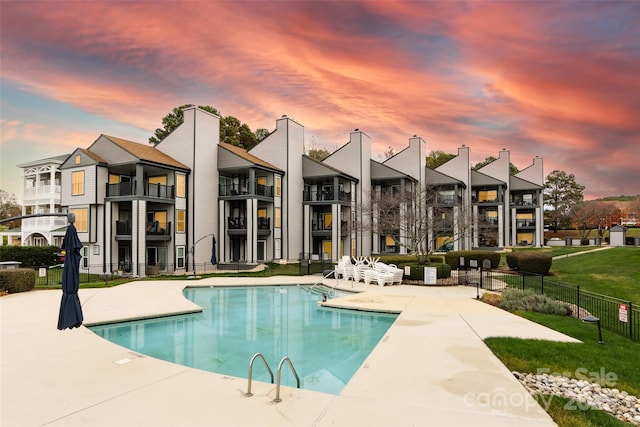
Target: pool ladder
{"type": "Point", "coordinates": [266, 365]}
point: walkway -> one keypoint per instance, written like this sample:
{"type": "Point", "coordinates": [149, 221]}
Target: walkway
{"type": "Point", "coordinates": [602, 248]}
{"type": "Point", "coordinates": [431, 368]}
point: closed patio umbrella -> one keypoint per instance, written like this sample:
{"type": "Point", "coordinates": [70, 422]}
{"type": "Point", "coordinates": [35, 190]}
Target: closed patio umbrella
{"type": "Point", "coordinates": [70, 309]}
{"type": "Point", "coordinates": [214, 260]}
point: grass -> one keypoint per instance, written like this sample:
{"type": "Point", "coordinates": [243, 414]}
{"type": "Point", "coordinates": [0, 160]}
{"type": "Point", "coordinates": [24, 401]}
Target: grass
{"type": "Point", "coordinates": [614, 272]}
{"type": "Point", "coordinates": [568, 413]}
{"type": "Point", "coordinates": [613, 364]}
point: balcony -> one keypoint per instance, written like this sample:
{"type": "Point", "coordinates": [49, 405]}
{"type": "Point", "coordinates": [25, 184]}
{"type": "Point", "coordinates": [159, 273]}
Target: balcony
{"type": "Point", "coordinates": [123, 230]}
{"type": "Point", "coordinates": [44, 223]}
{"type": "Point", "coordinates": [231, 190]}
{"type": "Point", "coordinates": [325, 195]}
{"type": "Point", "coordinates": [529, 223]}
{"type": "Point", "coordinates": [123, 189]}
{"type": "Point", "coordinates": [158, 231]}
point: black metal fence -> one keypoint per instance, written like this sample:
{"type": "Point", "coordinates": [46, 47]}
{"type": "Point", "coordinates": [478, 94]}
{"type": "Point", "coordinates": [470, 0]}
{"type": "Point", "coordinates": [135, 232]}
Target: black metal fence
{"type": "Point", "coordinates": [616, 315]}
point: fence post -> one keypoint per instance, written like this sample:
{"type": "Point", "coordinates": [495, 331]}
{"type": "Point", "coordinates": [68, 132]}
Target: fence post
{"type": "Point", "coordinates": [523, 283]}
{"type": "Point", "coordinates": [630, 319]}
{"type": "Point", "coordinates": [542, 283]}
{"type": "Point", "coordinates": [578, 300]}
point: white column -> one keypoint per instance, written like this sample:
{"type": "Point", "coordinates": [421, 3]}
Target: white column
{"type": "Point", "coordinates": [252, 230]}
{"type": "Point", "coordinates": [514, 226]}
{"type": "Point", "coordinates": [335, 231]}
{"type": "Point", "coordinates": [539, 238]}
{"type": "Point", "coordinates": [222, 233]}
{"type": "Point", "coordinates": [306, 227]}
{"type": "Point", "coordinates": [501, 222]}
{"type": "Point", "coordinates": [474, 221]}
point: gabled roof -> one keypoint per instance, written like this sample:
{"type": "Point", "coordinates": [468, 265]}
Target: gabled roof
{"type": "Point", "coordinates": [92, 155]}
{"type": "Point", "coordinates": [244, 154]}
{"type": "Point", "coordinates": [146, 152]}
{"type": "Point", "coordinates": [518, 184]}
{"type": "Point", "coordinates": [434, 177]}
{"type": "Point", "coordinates": [381, 171]}
{"type": "Point", "coordinates": [93, 158]}
{"type": "Point", "coordinates": [480, 179]}
{"type": "Point", "coordinates": [312, 168]}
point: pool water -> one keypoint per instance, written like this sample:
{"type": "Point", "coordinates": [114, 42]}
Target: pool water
{"type": "Point", "coordinates": [326, 346]}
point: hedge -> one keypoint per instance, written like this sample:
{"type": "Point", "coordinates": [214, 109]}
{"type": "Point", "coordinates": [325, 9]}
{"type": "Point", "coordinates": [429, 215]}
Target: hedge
{"type": "Point", "coordinates": [532, 262]}
{"type": "Point", "coordinates": [512, 259]}
{"type": "Point", "coordinates": [417, 270]}
{"type": "Point", "coordinates": [17, 279]}
{"type": "Point", "coordinates": [453, 258]}
{"type": "Point", "coordinates": [31, 256]}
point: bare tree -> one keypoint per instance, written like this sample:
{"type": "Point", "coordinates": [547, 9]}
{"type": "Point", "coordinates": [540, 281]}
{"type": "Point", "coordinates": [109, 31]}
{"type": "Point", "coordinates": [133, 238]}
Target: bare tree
{"type": "Point", "coordinates": [417, 219]}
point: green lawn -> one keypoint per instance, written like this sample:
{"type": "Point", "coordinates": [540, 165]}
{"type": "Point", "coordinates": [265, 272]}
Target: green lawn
{"type": "Point", "coordinates": [614, 363]}
{"type": "Point", "coordinates": [614, 272]}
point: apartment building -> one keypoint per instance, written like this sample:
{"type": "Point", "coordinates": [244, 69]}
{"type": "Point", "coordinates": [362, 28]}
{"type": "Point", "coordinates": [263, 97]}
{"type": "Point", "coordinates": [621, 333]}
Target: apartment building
{"type": "Point", "coordinates": [145, 210]}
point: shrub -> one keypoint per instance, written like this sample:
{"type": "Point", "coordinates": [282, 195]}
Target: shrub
{"type": "Point", "coordinates": [31, 256]}
{"type": "Point", "coordinates": [417, 271]}
{"type": "Point", "coordinates": [453, 258]}
{"type": "Point", "coordinates": [491, 298]}
{"type": "Point", "coordinates": [17, 279]}
{"type": "Point", "coordinates": [515, 299]}
{"type": "Point", "coordinates": [512, 259]}
{"type": "Point", "coordinates": [436, 259]}
{"type": "Point", "coordinates": [533, 262]}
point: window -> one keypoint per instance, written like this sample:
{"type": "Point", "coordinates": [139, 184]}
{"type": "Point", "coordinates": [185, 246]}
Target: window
{"type": "Point", "coordinates": [262, 213]}
{"type": "Point", "coordinates": [162, 179]}
{"type": "Point", "coordinates": [181, 187]}
{"type": "Point", "coordinates": [278, 185]}
{"type": "Point", "coordinates": [277, 220]}
{"type": "Point", "coordinates": [488, 196]}
{"type": "Point", "coordinates": [78, 159]}
{"type": "Point", "coordinates": [180, 256]}
{"type": "Point", "coordinates": [77, 183]}
{"type": "Point", "coordinates": [327, 220]}
{"type": "Point", "coordinates": [180, 215]}
{"type": "Point", "coordinates": [277, 247]}
{"type": "Point", "coordinates": [114, 179]}
{"type": "Point", "coordinates": [85, 256]}
{"type": "Point", "coordinates": [81, 219]}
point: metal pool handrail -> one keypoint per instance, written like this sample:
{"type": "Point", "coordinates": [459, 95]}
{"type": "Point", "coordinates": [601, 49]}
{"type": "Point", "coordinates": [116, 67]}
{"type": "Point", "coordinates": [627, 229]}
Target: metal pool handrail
{"type": "Point", "coordinates": [266, 365]}
{"type": "Point", "coordinates": [286, 358]}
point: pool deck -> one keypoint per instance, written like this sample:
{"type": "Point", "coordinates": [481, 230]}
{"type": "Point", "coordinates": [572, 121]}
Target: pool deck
{"type": "Point", "coordinates": [431, 368]}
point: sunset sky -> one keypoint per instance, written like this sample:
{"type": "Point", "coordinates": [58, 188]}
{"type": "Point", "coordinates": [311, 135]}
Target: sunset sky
{"type": "Point", "coordinates": [560, 80]}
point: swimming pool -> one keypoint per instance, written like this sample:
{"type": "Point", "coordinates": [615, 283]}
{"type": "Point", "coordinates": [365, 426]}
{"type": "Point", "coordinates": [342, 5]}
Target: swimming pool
{"type": "Point", "coordinates": [326, 346]}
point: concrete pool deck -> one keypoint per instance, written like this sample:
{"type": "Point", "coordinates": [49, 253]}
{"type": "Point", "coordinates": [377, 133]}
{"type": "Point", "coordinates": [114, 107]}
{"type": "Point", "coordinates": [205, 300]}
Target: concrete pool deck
{"type": "Point", "coordinates": [431, 368]}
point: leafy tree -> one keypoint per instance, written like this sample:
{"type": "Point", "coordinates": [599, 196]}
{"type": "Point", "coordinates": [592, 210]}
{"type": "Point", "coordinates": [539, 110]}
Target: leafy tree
{"type": "Point", "coordinates": [561, 194]}
{"type": "Point", "coordinates": [9, 208]}
{"type": "Point", "coordinates": [318, 153]}
{"type": "Point", "coordinates": [262, 133]}
{"type": "Point", "coordinates": [232, 131]}
{"type": "Point", "coordinates": [437, 158]}
{"type": "Point", "coordinates": [512, 168]}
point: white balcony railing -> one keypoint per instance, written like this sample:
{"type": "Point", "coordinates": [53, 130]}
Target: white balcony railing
{"type": "Point", "coordinates": [43, 223]}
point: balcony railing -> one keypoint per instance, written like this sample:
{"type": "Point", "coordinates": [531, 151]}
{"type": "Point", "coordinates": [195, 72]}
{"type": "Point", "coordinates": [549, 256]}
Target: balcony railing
{"type": "Point", "coordinates": [43, 223]}
{"type": "Point", "coordinates": [121, 189]}
{"type": "Point", "coordinates": [123, 228]}
{"type": "Point", "coordinates": [529, 223]}
{"type": "Point", "coordinates": [159, 190]}
{"type": "Point", "coordinates": [264, 223]}
{"type": "Point", "coordinates": [236, 223]}
{"type": "Point", "coordinates": [227, 190]}
{"type": "Point", "coordinates": [325, 195]}
{"type": "Point", "coordinates": [157, 228]}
